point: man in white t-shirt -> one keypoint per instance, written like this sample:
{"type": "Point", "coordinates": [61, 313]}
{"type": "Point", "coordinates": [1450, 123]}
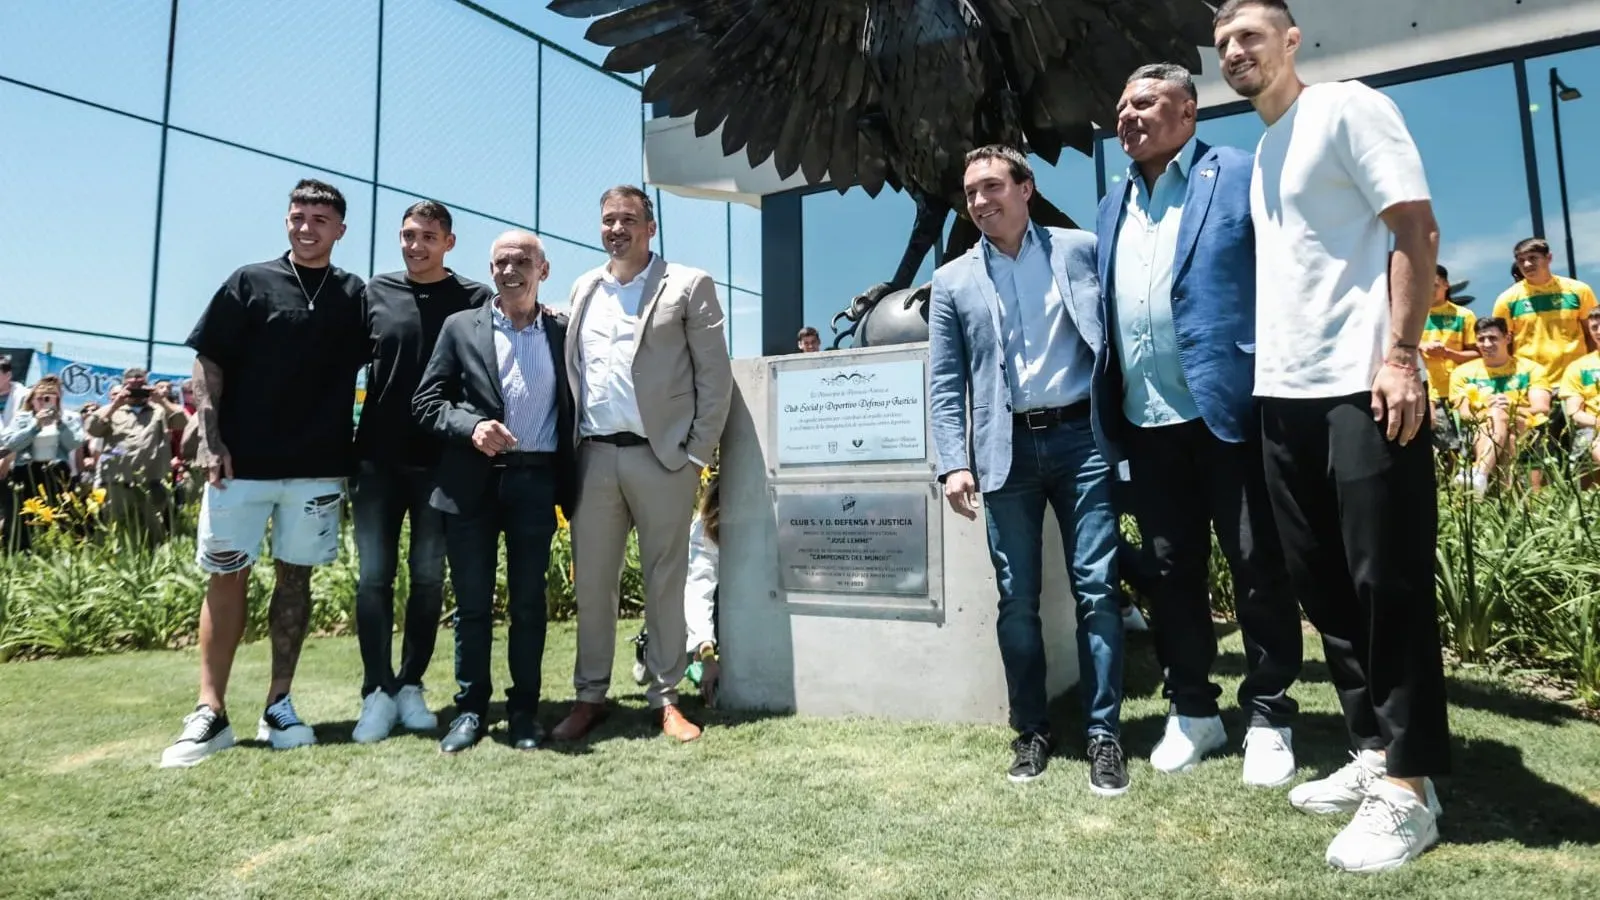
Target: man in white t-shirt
{"type": "Point", "coordinates": [1344, 412]}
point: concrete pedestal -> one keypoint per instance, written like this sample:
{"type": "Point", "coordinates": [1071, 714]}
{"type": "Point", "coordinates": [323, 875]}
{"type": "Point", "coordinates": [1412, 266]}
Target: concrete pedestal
{"type": "Point", "coordinates": [932, 657]}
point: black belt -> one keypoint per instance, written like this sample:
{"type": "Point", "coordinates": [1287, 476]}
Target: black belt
{"type": "Point", "coordinates": [522, 460]}
{"type": "Point", "coordinates": [1040, 419]}
{"type": "Point", "coordinates": [620, 439]}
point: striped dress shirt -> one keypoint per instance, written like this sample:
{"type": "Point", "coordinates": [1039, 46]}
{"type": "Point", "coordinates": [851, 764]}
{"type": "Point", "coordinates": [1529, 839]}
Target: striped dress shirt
{"type": "Point", "coordinates": [527, 381]}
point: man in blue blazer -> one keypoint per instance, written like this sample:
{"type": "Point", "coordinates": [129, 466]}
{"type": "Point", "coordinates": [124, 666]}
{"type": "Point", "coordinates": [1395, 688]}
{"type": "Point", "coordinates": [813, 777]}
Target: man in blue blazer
{"type": "Point", "coordinates": [1014, 327]}
{"type": "Point", "coordinates": [1177, 269]}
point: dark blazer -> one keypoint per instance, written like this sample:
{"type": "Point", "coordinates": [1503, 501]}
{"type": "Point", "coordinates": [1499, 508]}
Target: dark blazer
{"type": "Point", "coordinates": [461, 387]}
{"type": "Point", "coordinates": [1213, 295]}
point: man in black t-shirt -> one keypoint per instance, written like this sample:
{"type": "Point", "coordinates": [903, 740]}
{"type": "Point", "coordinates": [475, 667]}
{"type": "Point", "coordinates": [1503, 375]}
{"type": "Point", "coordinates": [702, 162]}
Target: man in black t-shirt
{"type": "Point", "coordinates": [404, 312]}
{"type": "Point", "coordinates": [277, 351]}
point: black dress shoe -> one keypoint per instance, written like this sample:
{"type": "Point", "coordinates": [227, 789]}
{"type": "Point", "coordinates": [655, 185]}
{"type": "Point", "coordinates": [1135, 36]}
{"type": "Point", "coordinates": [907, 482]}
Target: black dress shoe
{"type": "Point", "coordinates": [525, 731]}
{"type": "Point", "coordinates": [465, 731]}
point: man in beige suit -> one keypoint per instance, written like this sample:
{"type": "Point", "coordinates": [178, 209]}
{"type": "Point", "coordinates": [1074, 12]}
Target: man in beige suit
{"type": "Point", "coordinates": [648, 365]}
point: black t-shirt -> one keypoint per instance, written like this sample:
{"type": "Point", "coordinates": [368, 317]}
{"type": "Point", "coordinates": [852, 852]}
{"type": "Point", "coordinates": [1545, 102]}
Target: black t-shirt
{"type": "Point", "coordinates": [403, 319]}
{"type": "Point", "coordinates": [288, 367]}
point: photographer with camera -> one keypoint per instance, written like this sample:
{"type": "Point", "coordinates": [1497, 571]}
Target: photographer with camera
{"type": "Point", "coordinates": [136, 456]}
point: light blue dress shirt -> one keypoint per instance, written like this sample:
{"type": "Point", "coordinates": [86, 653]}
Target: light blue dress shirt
{"type": "Point", "coordinates": [527, 381]}
{"type": "Point", "coordinates": [1047, 363]}
{"type": "Point", "coordinates": [1143, 258]}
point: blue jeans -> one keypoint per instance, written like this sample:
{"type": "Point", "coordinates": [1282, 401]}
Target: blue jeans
{"type": "Point", "coordinates": [384, 495]}
{"type": "Point", "coordinates": [1059, 465]}
{"type": "Point", "coordinates": [522, 506]}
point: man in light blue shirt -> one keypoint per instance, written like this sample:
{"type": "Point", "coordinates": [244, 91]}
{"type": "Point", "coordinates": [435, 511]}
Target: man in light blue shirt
{"type": "Point", "coordinates": [1014, 334]}
{"type": "Point", "coordinates": [1177, 257]}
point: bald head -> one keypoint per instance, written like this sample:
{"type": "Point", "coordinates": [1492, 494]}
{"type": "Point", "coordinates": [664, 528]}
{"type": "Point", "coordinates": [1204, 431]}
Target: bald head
{"type": "Point", "coordinates": [517, 264]}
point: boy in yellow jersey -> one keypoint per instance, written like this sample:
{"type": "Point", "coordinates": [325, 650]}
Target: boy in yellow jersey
{"type": "Point", "coordinates": [1544, 311]}
{"type": "Point", "coordinates": [1447, 341]}
{"type": "Point", "coordinates": [1580, 391]}
{"type": "Point", "coordinates": [1502, 395]}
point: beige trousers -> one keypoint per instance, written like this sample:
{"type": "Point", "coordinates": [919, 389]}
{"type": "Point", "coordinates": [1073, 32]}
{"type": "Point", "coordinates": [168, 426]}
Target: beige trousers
{"type": "Point", "coordinates": [620, 488]}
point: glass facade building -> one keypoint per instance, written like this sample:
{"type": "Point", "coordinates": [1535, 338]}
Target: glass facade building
{"type": "Point", "coordinates": [150, 146]}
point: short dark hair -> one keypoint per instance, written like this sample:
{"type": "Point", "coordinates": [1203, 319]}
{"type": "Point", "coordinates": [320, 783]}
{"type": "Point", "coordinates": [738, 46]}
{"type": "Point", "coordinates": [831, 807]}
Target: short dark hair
{"type": "Point", "coordinates": [806, 332]}
{"type": "Point", "coordinates": [312, 192]}
{"type": "Point", "coordinates": [1231, 8]}
{"type": "Point", "coordinates": [1516, 272]}
{"type": "Point", "coordinates": [1444, 273]}
{"type": "Point", "coordinates": [630, 192]}
{"type": "Point", "coordinates": [1533, 244]}
{"type": "Point", "coordinates": [5, 364]}
{"type": "Point", "coordinates": [432, 210]}
{"type": "Point", "coordinates": [135, 372]}
{"type": "Point", "coordinates": [1493, 323]}
{"type": "Point", "coordinates": [1020, 170]}
{"type": "Point", "coordinates": [1171, 73]}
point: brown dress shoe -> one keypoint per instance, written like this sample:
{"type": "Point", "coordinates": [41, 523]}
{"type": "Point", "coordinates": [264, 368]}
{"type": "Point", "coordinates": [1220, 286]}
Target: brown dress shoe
{"type": "Point", "coordinates": [582, 720]}
{"type": "Point", "coordinates": [674, 725]}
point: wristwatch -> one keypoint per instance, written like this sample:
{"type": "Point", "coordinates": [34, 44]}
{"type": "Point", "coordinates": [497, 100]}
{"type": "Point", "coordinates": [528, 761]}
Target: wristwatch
{"type": "Point", "coordinates": [706, 653]}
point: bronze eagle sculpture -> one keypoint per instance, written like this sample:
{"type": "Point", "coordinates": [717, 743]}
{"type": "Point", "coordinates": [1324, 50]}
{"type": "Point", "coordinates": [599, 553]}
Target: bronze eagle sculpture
{"type": "Point", "coordinates": [876, 92]}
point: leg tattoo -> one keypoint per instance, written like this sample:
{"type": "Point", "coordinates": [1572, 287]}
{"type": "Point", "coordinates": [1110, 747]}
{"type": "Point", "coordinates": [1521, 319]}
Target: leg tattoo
{"type": "Point", "coordinates": [288, 619]}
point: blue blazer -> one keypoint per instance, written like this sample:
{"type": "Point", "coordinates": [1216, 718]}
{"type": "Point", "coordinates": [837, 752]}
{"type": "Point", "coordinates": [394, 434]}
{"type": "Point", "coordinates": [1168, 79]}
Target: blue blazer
{"type": "Point", "coordinates": [966, 356]}
{"type": "Point", "coordinates": [1213, 295]}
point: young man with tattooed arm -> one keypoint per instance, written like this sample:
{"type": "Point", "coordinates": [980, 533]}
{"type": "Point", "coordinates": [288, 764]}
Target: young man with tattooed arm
{"type": "Point", "coordinates": [277, 350]}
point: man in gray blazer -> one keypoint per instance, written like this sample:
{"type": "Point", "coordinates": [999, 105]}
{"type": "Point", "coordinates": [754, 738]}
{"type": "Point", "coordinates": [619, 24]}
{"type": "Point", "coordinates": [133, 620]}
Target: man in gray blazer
{"type": "Point", "coordinates": [1014, 326]}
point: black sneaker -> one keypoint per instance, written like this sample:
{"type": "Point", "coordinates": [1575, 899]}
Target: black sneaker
{"type": "Point", "coordinates": [1108, 772]}
{"type": "Point", "coordinates": [1032, 755]}
{"type": "Point", "coordinates": [205, 731]}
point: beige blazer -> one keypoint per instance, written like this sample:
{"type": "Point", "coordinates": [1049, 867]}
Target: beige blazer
{"type": "Point", "coordinates": [681, 374]}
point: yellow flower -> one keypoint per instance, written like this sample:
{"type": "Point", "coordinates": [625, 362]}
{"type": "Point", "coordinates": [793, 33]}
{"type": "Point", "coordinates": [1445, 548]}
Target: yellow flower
{"type": "Point", "coordinates": [561, 519]}
{"type": "Point", "coordinates": [98, 495]}
{"type": "Point", "coordinates": [1537, 419]}
{"type": "Point", "coordinates": [1476, 396]}
{"type": "Point", "coordinates": [38, 511]}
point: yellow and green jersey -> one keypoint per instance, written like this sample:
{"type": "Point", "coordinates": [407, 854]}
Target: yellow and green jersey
{"type": "Point", "coordinates": [1583, 380]}
{"type": "Point", "coordinates": [1547, 320]}
{"type": "Point", "coordinates": [1453, 326]}
{"type": "Point", "coordinates": [1478, 383]}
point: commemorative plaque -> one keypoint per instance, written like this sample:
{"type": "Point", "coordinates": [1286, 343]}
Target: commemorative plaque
{"type": "Point", "coordinates": [865, 412]}
{"type": "Point", "coordinates": [854, 543]}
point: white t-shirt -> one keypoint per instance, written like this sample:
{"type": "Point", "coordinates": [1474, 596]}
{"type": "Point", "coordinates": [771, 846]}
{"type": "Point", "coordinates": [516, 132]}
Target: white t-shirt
{"type": "Point", "coordinates": [1340, 156]}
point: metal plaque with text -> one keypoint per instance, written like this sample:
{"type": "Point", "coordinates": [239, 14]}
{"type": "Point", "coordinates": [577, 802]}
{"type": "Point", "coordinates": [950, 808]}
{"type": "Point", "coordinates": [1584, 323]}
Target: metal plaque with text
{"type": "Point", "coordinates": [854, 543]}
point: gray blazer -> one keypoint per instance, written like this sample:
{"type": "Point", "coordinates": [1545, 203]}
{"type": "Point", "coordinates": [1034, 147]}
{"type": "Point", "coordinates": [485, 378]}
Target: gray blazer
{"type": "Point", "coordinates": [967, 358]}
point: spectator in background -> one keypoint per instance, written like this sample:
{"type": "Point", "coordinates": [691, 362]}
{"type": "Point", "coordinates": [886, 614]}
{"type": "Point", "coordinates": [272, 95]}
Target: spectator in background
{"type": "Point", "coordinates": [1544, 314]}
{"type": "Point", "coordinates": [1580, 392]}
{"type": "Point", "coordinates": [1447, 342]}
{"type": "Point", "coordinates": [809, 341]}
{"type": "Point", "coordinates": [136, 429]}
{"type": "Point", "coordinates": [43, 436]}
{"type": "Point", "coordinates": [12, 394]}
{"type": "Point", "coordinates": [86, 459]}
{"type": "Point", "coordinates": [1502, 395]}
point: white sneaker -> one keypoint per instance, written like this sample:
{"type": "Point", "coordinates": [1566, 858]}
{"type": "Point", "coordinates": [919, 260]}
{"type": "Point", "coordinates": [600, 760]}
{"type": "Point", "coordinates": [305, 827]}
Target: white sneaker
{"type": "Point", "coordinates": [1133, 620]}
{"type": "Point", "coordinates": [378, 717]}
{"type": "Point", "coordinates": [1268, 756]}
{"type": "Point", "coordinates": [413, 710]}
{"type": "Point", "coordinates": [1390, 828]}
{"type": "Point", "coordinates": [204, 733]}
{"type": "Point", "coordinates": [281, 726]}
{"type": "Point", "coordinates": [1343, 791]}
{"type": "Point", "coordinates": [1186, 741]}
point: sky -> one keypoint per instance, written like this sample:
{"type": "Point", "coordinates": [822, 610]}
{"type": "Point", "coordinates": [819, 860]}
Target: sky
{"type": "Point", "coordinates": [470, 113]}
{"type": "Point", "coordinates": [466, 119]}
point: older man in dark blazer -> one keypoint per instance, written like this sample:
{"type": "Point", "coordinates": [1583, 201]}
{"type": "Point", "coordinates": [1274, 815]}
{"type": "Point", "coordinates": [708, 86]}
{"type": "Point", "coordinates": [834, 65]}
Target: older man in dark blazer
{"type": "Point", "coordinates": [496, 391]}
{"type": "Point", "coordinates": [1177, 276]}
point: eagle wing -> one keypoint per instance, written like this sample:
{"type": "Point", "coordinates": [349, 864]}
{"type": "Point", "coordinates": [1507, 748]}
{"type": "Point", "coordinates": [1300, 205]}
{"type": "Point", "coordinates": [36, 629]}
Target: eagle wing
{"type": "Point", "coordinates": [1067, 60]}
{"type": "Point", "coordinates": [786, 79]}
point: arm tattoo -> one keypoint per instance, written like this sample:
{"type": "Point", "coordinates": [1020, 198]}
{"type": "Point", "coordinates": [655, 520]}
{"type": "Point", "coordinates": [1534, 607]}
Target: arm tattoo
{"type": "Point", "coordinates": [207, 391]}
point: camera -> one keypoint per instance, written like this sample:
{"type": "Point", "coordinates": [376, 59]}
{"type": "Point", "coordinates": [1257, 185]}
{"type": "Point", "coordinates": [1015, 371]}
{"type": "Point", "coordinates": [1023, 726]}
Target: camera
{"type": "Point", "coordinates": [139, 394]}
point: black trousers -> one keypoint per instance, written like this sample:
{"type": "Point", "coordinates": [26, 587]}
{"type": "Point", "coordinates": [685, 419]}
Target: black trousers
{"type": "Point", "coordinates": [1187, 481]}
{"type": "Point", "coordinates": [1359, 520]}
{"type": "Point", "coordinates": [384, 496]}
{"type": "Point", "coordinates": [521, 504]}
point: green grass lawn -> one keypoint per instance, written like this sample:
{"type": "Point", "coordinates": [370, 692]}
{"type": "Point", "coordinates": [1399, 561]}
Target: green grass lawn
{"type": "Point", "coordinates": [763, 806]}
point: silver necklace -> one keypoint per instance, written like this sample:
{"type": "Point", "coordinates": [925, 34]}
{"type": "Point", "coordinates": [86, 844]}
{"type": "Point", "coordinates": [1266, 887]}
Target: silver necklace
{"type": "Point", "coordinates": [311, 299]}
